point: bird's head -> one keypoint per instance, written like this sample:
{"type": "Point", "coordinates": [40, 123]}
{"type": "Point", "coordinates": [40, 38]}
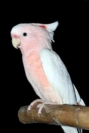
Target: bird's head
{"type": "Point", "coordinates": [25, 36]}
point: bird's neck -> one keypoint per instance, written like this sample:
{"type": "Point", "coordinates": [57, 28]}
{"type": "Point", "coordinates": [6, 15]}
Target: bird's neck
{"type": "Point", "coordinates": [35, 46]}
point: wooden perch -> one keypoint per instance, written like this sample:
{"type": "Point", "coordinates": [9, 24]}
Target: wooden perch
{"type": "Point", "coordinates": [75, 116]}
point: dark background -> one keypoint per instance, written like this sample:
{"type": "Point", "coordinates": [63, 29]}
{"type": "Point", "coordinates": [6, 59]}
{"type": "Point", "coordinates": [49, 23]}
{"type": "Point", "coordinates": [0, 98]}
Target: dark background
{"type": "Point", "coordinates": [71, 43]}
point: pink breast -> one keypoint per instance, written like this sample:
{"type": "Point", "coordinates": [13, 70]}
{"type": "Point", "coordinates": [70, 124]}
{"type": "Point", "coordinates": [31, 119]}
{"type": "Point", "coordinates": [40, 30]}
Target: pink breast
{"type": "Point", "coordinates": [34, 67]}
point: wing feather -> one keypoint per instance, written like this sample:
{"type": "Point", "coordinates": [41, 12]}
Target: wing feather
{"type": "Point", "coordinates": [58, 76]}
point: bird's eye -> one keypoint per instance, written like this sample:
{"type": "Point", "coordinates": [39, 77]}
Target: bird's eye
{"type": "Point", "coordinates": [24, 34]}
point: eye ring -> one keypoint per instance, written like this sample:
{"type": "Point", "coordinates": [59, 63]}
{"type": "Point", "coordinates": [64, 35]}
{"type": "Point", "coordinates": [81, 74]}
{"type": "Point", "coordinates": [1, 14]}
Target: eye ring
{"type": "Point", "coordinates": [24, 34]}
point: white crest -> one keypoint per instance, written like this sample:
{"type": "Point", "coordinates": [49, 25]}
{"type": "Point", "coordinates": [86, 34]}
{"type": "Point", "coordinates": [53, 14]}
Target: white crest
{"type": "Point", "coordinates": [52, 26]}
{"type": "Point", "coordinates": [49, 27]}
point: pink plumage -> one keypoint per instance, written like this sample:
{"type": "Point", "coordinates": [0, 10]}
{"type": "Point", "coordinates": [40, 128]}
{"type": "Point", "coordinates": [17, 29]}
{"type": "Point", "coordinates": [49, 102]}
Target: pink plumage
{"type": "Point", "coordinates": [43, 67]}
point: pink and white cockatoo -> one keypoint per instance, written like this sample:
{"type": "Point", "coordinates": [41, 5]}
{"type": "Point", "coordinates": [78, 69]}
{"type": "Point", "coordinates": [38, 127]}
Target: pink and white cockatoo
{"type": "Point", "coordinates": [43, 67]}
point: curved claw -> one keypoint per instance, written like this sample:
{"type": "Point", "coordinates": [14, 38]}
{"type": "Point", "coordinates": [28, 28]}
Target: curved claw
{"type": "Point", "coordinates": [34, 102]}
{"type": "Point", "coordinates": [40, 107]}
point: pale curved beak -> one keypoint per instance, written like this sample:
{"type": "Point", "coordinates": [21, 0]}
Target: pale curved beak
{"type": "Point", "coordinates": [16, 42]}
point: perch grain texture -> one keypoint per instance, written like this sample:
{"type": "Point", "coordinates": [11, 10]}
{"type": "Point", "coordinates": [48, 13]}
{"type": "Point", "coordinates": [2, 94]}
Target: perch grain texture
{"type": "Point", "coordinates": [75, 116]}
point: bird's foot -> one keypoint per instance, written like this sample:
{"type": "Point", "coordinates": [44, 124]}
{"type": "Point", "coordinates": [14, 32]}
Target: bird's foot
{"type": "Point", "coordinates": [41, 106]}
{"type": "Point", "coordinates": [33, 103]}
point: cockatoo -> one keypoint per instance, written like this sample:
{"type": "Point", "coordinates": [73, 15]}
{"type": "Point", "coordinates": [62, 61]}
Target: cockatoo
{"type": "Point", "coordinates": [44, 68]}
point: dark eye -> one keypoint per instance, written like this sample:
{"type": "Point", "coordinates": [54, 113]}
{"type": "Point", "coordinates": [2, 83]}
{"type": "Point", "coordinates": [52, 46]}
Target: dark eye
{"type": "Point", "coordinates": [24, 34]}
